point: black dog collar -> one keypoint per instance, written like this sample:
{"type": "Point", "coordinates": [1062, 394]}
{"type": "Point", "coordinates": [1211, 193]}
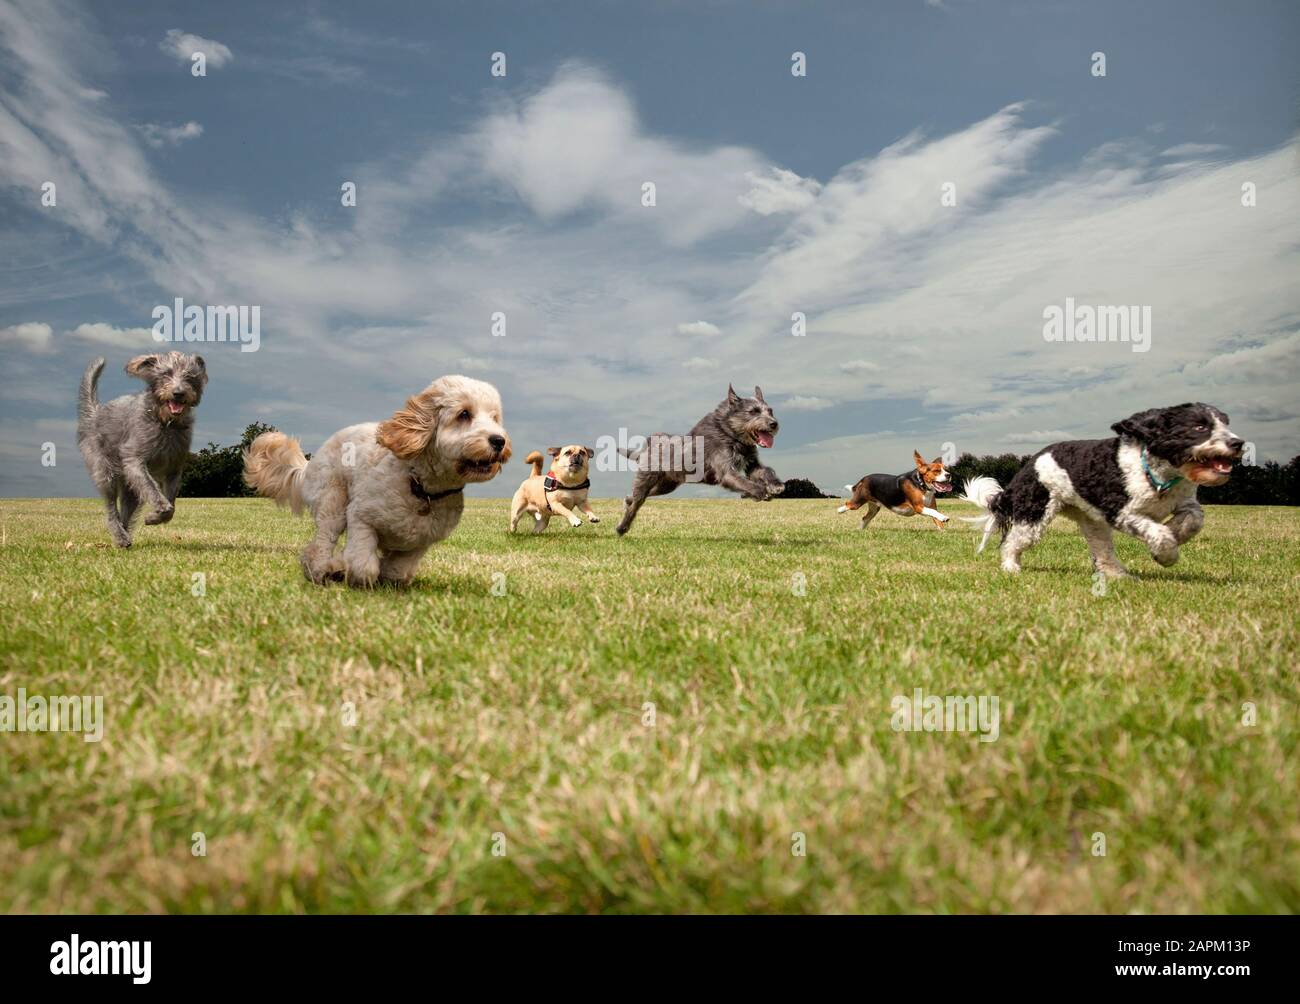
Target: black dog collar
{"type": "Point", "coordinates": [418, 491]}
{"type": "Point", "coordinates": [553, 484]}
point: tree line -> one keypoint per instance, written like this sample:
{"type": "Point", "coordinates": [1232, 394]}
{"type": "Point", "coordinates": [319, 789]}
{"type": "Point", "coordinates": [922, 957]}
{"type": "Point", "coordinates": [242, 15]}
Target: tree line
{"type": "Point", "coordinates": [217, 472]}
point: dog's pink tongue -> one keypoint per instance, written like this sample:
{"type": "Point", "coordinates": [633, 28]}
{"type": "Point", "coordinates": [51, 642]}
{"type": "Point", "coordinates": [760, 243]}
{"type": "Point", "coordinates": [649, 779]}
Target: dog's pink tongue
{"type": "Point", "coordinates": [764, 439]}
{"type": "Point", "coordinates": [175, 407]}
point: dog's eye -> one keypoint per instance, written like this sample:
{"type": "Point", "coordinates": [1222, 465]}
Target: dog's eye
{"type": "Point", "coordinates": [464, 415]}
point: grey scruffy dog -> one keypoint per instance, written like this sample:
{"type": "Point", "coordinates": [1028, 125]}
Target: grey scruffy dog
{"type": "Point", "coordinates": [729, 437]}
{"type": "Point", "coordinates": [136, 445]}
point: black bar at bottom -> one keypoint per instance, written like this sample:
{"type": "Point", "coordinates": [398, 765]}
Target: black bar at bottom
{"type": "Point", "coordinates": [340, 953]}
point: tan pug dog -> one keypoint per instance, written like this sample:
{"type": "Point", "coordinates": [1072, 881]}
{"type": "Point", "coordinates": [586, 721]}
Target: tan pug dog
{"type": "Point", "coordinates": [559, 492]}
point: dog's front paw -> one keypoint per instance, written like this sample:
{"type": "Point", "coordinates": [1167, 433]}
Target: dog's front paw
{"type": "Point", "coordinates": [593, 519]}
{"type": "Point", "coordinates": [1164, 548]}
{"type": "Point", "coordinates": [575, 522]}
{"type": "Point", "coordinates": [162, 515]}
{"type": "Point", "coordinates": [1166, 556]}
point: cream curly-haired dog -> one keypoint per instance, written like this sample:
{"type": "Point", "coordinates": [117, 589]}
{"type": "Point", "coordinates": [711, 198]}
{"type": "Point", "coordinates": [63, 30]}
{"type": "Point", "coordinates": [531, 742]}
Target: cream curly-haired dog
{"type": "Point", "coordinates": [395, 487]}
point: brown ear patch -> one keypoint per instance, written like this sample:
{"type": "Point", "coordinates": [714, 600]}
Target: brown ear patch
{"type": "Point", "coordinates": [553, 451]}
{"type": "Point", "coordinates": [141, 365]}
{"type": "Point", "coordinates": [410, 429]}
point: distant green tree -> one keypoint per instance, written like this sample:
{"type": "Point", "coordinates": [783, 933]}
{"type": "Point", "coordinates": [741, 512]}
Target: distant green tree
{"type": "Point", "coordinates": [1001, 468]}
{"type": "Point", "coordinates": [217, 472]}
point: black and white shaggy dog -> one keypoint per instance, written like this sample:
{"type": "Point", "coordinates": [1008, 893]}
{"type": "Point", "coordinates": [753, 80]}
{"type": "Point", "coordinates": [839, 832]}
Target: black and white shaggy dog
{"type": "Point", "coordinates": [722, 449]}
{"type": "Point", "coordinates": [1134, 482]}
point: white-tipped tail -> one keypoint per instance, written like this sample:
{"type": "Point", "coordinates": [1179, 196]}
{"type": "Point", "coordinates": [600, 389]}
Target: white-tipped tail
{"type": "Point", "coordinates": [981, 492]}
{"type": "Point", "coordinates": [848, 488]}
{"type": "Point", "coordinates": [274, 466]}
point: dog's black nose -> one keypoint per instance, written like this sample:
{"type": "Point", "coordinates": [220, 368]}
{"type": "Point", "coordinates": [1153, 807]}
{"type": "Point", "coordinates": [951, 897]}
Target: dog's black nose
{"type": "Point", "coordinates": [1235, 444]}
{"type": "Point", "coordinates": [178, 395]}
{"type": "Point", "coordinates": [497, 443]}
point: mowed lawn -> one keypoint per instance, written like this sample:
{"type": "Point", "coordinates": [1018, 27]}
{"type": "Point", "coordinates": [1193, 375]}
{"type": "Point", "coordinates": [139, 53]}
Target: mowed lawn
{"type": "Point", "coordinates": [502, 757]}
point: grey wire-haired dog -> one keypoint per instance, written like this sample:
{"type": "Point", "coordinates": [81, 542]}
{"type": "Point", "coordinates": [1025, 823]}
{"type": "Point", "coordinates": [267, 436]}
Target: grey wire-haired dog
{"type": "Point", "coordinates": [136, 445]}
{"type": "Point", "coordinates": [722, 449]}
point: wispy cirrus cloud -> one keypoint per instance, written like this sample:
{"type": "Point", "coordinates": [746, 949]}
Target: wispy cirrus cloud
{"type": "Point", "coordinates": [158, 135]}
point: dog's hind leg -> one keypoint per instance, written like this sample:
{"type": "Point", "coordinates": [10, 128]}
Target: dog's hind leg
{"type": "Point", "coordinates": [331, 514]}
{"type": "Point", "coordinates": [869, 515]}
{"type": "Point", "coordinates": [643, 486]}
{"type": "Point", "coordinates": [1101, 545]}
{"type": "Point", "coordinates": [1020, 537]}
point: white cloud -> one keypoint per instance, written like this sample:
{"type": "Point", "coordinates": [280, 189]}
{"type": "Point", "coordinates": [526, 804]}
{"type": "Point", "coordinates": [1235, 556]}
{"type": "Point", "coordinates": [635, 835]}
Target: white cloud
{"type": "Point", "coordinates": [1037, 437]}
{"type": "Point", "coordinates": [806, 402]}
{"type": "Point", "coordinates": [700, 363]}
{"type": "Point", "coordinates": [106, 334]}
{"type": "Point", "coordinates": [32, 335]}
{"type": "Point", "coordinates": [698, 328]}
{"type": "Point", "coordinates": [1193, 150]}
{"type": "Point", "coordinates": [578, 144]}
{"type": "Point", "coordinates": [859, 366]}
{"type": "Point", "coordinates": [778, 191]}
{"type": "Point", "coordinates": [183, 45]}
{"type": "Point", "coordinates": [156, 134]}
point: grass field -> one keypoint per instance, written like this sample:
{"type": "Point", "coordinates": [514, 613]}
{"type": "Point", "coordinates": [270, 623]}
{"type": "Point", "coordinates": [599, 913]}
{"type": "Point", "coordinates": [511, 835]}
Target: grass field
{"type": "Point", "coordinates": [500, 758]}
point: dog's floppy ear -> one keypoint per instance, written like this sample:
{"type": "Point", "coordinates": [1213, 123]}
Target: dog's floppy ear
{"type": "Point", "coordinates": [553, 451]}
{"type": "Point", "coordinates": [203, 369]}
{"type": "Point", "coordinates": [410, 430]}
{"type": "Point", "coordinates": [1143, 426]}
{"type": "Point", "coordinates": [589, 452]}
{"type": "Point", "coordinates": [732, 396]}
{"type": "Point", "coordinates": [141, 366]}
{"type": "Point", "coordinates": [758, 393]}
{"type": "Point", "coordinates": [920, 460]}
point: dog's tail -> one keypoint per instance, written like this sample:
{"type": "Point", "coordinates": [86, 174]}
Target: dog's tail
{"type": "Point", "coordinates": [845, 507]}
{"type": "Point", "coordinates": [632, 455]}
{"type": "Point", "coordinates": [273, 467]}
{"type": "Point", "coordinates": [535, 458]}
{"type": "Point", "coordinates": [982, 491]}
{"type": "Point", "coordinates": [87, 398]}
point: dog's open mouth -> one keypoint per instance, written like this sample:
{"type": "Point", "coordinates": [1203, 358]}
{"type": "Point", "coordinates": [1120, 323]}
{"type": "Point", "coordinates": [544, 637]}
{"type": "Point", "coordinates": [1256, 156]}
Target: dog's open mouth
{"type": "Point", "coordinates": [941, 486]}
{"type": "Point", "coordinates": [175, 407]}
{"type": "Point", "coordinates": [764, 439]}
{"type": "Point", "coordinates": [1214, 470]}
{"type": "Point", "coordinates": [479, 470]}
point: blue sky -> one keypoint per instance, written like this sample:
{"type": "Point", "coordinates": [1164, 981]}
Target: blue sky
{"type": "Point", "coordinates": [775, 194]}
